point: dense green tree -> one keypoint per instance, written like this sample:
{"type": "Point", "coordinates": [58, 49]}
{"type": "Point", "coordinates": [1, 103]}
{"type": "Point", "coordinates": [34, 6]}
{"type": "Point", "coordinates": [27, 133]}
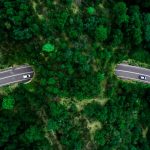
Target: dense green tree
{"type": "Point", "coordinates": [137, 36]}
{"type": "Point", "coordinates": [101, 33]}
{"type": "Point", "coordinates": [147, 33]}
{"type": "Point", "coordinates": [18, 20]}
{"type": "Point", "coordinates": [61, 19]}
{"type": "Point", "coordinates": [51, 81]}
{"type": "Point", "coordinates": [92, 110]}
{"type": "Point", "coordinates": [147, 18]}
{"type": "Point", "coordinates": [120, 13]}
{"type": "Point", "coordinates": [117, 37]}
{"type": "Point", "coordinates": [100, 137]}
{"type": "Point", "coordinates": [32, 134]}
{"type": "Point", "coordinates": [8, 102]}
{"type": "Point", "coordinates": [91, 22]}
{"type": "Point", "coordinates": [146, 27]}
{"type": "Point", "coordinates": [52, 125]}
{"type": "Point", "coordinates": [68, 2]}
{"type": "Point", "coordinates": [135, 24]}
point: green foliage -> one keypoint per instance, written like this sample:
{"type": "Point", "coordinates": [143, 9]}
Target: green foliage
{"type": "Point", "coordinates": [73, 33]}
{"type": "Point", "coordinates": [147, 33]}
{"type": "Point", "coordinates": [8, 102]}
{"type": "Point", "coordinates": [147, 27]}
{"type": "Point", "coordinates": [147, 18]}
{"type": "Point", "coordinates": [137, 36]}
{"type": "Point", "coordinates": [141, 55]}
{"type": "Point", "coordinates": [32, 134]}
{"type": "Point", "coordinates": [101, 33]}
{"type": "Point", "coordinates": [100, 137]}
{"type": "Point", "coordinates": [48, 47]}
{"type": "Point", "coordinates": [21, 34]}
{"type": "Point", "coordinates": [18, 20]}
{"type": "Point", "coordinates": [120, 12]}
{"type": "Point", "coordinates": [51, 81]}
{"type": "Point", "coordinates": [75, 101]}
{"type": "Point", "coordinates": [117, 37]}
{"type": "Point", "coordinates": [61, 19]}
{"type": "Point", "coordinates": [91, 10]}
{"type": "Point", "coordinates": [135, 25]}
{"type": "Point", "coordinates": [92, 110]}
{"type": "Point", "coordinates": [101, 76]}
{"type": "Point", "coordinates": [68, 2]}
{"type": "Point", "coordinates": [7, 130]}
{"type": "Point", "coordinates": [52, 125]}
{"type": "Point", "coordinates": [91, 23]}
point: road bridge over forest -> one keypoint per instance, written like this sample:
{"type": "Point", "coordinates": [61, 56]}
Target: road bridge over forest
{"type": "Point", "coordinates": [129, 72]}
{"type": "Point", "coordinates": [20, 74]}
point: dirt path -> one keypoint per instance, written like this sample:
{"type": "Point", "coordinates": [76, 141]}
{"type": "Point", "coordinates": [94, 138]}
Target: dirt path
{"type": "Point", "coordinates": [50, 136]}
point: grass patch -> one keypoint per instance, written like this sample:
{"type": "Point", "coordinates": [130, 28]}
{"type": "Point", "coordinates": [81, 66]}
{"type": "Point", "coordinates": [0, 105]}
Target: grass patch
{"type": "Point", "coordinates": [93, 126]}
{"type": "Point", "coordinates": [144, 132]}
{"type": "Point", "coordinates": [81, 104]}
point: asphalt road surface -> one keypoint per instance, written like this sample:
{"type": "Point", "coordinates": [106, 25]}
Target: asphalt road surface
{"type": "Point", "coordinates": [129, 72]}
{"type": "Point", "coordinates": [15, 75]}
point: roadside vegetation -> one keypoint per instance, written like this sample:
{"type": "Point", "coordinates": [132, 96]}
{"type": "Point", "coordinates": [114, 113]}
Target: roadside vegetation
{"type": "Point", "coordinates": [75, 101]}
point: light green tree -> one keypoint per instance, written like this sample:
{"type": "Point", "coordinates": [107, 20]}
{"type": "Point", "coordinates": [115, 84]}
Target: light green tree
{"type": "Point", "coordinates": [91, 10]}
{"type": "Point", "coordinates": [48, 47]}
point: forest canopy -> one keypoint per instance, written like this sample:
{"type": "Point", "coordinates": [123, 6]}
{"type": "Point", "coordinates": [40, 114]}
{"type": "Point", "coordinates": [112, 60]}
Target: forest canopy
{"type": "Point", "coordinates": [75, 101]}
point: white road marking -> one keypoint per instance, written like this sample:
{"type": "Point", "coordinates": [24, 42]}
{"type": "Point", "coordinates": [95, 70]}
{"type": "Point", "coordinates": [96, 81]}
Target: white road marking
{"type": "Point", "coordinates": [12, 82]}
{"type": "Point", "coordinates": [134, 79]}
{"type": "Point", "coordinates": [17, 68]}
{"type": "Point", "coordinates": [16, 75]}
{"type": "Point", "coordinates": [5, 70]}
{"type": "Point", "coordinates": [133, 72]}
{"type": "Point", "coordinates": [11, 69]}
{"type": "Point", "coordinates": [133, 66]}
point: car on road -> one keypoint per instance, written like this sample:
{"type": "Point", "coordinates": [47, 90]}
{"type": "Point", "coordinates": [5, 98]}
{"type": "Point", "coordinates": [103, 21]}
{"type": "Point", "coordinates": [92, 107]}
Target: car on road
{"type": "Point", "coordinates": [142, 77]}
{"type": "Point", "coordinates": [25, 76]}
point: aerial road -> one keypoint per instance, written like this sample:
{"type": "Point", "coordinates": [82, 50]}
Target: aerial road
{"type": "Point", "coordinates": [20, 74]}
{"type": "Point", "coordinates": [129, 72]}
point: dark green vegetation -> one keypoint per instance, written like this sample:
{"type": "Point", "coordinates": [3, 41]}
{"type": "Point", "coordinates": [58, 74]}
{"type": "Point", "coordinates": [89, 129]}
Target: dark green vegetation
{"type": "Point", "coordinates": [75, 102]}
